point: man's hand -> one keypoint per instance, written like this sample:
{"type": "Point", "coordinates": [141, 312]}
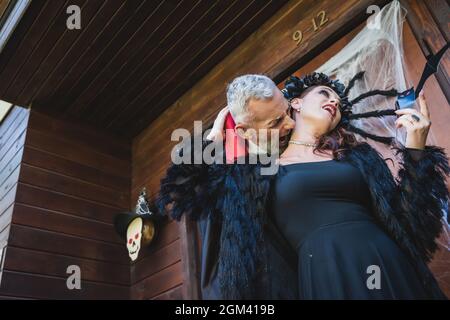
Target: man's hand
{"type": "Point", "coordinates": [217, 131]}
{"type": "Point", "coordinates": [417, 124]}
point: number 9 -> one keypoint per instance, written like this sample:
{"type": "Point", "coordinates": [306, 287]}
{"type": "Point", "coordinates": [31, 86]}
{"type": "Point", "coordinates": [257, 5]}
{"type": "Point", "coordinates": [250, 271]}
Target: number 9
{"type": "Point", "coordinates": [297, 36]}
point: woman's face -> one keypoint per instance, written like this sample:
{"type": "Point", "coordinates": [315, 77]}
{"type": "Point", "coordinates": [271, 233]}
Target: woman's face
{"type": "Point", "coordinates": [319, 107]}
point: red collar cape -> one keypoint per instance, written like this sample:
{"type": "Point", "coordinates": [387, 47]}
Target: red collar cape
{"type": "Point", "coordinates": [235, 146]}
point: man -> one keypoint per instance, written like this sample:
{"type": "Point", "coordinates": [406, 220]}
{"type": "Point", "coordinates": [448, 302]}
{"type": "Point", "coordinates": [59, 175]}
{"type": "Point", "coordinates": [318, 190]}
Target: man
{"type": "Point", "coordinates": [238, 259]}
{"type": "Point", "coordinates": [257, 105]}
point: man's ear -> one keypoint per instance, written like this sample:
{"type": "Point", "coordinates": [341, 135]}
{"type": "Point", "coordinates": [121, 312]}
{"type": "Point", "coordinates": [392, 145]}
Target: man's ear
{"type": "Point", "coordinates": [241, 131]}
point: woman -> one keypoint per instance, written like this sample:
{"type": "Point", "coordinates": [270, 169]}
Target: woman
{"type": "Point", "coordinates": [324, 207]}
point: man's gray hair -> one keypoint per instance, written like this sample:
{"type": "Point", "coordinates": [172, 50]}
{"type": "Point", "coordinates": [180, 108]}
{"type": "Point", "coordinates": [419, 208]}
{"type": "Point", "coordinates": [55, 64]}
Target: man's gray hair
{"type": "Point", "coordinates": [244, 88]}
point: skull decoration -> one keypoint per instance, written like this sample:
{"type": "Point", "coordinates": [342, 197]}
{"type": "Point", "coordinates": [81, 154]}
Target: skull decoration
{"type": "Point", "coordinates": [138, 227]}
{"type": "Point", "coordinates": [134, 236]}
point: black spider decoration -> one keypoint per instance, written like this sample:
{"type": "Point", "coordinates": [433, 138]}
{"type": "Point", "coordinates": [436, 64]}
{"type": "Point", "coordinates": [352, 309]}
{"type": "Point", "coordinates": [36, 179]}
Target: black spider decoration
{"type": "Point", "coordinates": [295, 86]}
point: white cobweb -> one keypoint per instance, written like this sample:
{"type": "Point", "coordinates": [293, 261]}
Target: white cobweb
{"type": "Point", "coordinates": [378, 50]}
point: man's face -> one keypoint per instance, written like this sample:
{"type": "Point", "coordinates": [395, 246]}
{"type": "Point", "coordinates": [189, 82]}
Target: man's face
{"type": "Point", "coordinates": [271, 114]}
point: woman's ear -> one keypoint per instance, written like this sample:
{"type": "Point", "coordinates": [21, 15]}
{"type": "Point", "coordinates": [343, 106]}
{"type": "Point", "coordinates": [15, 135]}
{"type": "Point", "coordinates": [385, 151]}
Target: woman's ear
{"type": "Point", "coordinates": [296, 104]}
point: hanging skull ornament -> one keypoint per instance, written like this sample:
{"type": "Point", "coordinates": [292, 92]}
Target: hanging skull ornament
{"type": "Point", "coordinates": [134, 236]}
{"type": "Point", "coordinates": [138, 228]}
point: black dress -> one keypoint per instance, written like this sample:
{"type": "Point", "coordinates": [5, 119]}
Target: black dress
{"type": "Point", "coordinates": [323, 209]}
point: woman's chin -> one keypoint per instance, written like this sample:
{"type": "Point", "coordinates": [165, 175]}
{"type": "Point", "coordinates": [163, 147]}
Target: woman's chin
{"type": "Point", "coordinates": [323, 122]}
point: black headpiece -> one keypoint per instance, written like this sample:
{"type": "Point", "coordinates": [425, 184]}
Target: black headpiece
{"type": "Point", "coordinates": [295, 86]}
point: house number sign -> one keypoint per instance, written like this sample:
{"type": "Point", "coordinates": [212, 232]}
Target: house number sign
{"type": "Point", "coordinates": [317, 22]}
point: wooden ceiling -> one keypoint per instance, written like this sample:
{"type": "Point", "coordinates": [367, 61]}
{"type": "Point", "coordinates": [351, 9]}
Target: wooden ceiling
{"type": "Point", "coordinates": [129, 61]}
{"type": "Point", "coordinates": [3, 6]}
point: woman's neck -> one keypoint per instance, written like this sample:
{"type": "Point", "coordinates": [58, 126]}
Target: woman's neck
{"type": "Point", "coordinates": [304, 134]}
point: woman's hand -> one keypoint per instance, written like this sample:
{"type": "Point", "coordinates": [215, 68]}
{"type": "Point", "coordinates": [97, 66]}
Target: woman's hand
{"type": "Point", "coordinates": [217, 131]}
{"type": "Point", "coordinates": [417, 124]}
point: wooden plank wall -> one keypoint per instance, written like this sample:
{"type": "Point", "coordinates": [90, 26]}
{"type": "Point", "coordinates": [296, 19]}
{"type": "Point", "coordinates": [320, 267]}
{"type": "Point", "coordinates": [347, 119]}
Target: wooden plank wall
{"type": "Point", "coordinates": [72, 182]}
{"type": "Point", "coordinates": [157, 274]}
{"type": "Point", "coordinates": [12, 137]}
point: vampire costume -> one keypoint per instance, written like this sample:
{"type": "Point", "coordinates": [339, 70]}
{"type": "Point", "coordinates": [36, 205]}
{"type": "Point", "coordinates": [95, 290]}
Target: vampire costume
{"type": "Point", "coordinates": [229, 203]}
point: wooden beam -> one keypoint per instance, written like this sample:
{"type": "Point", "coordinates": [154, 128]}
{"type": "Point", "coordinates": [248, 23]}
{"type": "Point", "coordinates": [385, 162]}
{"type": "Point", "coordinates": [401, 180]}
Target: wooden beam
{"type": "Point", "coordinates": [10, 14]}
{"type": "Point", "coordinates": [4, 5]}
{"type": "Point", "coordinates": [430, 36]}
{"type": "Point", "coordinates": [440, 11]}
{"type": "Point", "coordinates": [189, 258]}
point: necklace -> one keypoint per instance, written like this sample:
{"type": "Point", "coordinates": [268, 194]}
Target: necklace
{"type": "Point", "coordinates": [303, 143]}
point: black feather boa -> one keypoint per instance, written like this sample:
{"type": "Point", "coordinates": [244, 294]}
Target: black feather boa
{"type": "Point", "coordinates": [420, 181]}
{"type": "Point", "coordinates": [184, 188]}
{"type": "Point", "coordinates": [409, 209]}
{"type": "Point", "coordinates": [243, 256]}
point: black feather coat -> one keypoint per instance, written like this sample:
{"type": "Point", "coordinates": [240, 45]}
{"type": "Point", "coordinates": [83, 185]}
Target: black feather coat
{"type": "Point", "coordinates": [230, 203]}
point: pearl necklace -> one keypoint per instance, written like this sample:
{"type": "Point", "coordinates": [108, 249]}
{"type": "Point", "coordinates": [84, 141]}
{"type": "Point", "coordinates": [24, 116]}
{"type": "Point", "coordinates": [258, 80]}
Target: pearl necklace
{"type": "Point", "coordinates": [303, 143]}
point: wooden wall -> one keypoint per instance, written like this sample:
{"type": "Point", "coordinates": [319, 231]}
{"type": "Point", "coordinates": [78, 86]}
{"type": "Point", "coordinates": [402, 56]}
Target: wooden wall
{"type": "Point", "coordinates": [157, 274]}
{"type": "Point", "coordinates": [72, 181]}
